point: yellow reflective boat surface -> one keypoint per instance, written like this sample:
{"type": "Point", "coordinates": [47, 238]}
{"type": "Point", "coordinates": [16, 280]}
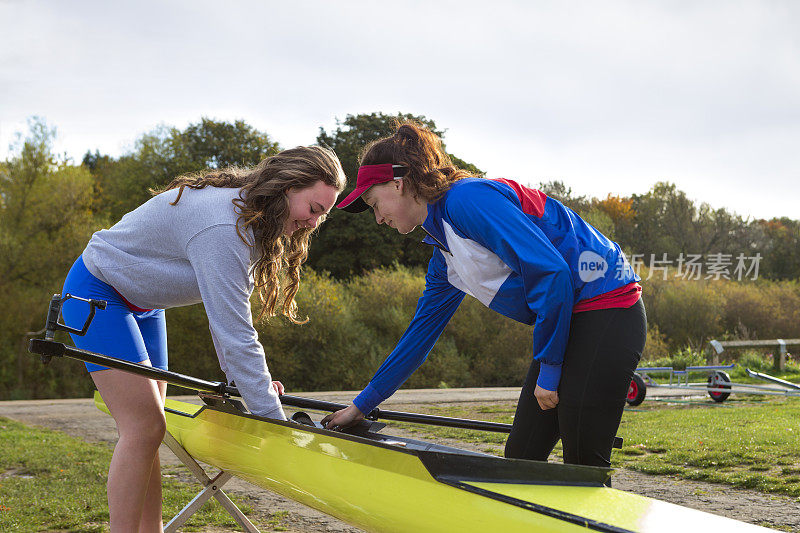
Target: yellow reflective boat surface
{"type": "Point", "coordinates": [387, 488]}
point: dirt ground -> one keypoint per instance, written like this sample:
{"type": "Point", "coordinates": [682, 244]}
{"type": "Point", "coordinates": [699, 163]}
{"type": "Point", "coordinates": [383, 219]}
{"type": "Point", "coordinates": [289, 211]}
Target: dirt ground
{"type": "Point", "coordinates": [81, 419]}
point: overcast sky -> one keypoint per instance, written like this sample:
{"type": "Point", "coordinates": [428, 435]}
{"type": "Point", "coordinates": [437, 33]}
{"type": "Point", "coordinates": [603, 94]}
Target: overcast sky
{"type": "Point", "coordinates": [609, 97]}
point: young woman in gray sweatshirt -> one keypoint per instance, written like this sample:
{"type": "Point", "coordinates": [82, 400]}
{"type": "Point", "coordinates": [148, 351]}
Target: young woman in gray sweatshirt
{"type": "Point", "coordinates": [210, 237]}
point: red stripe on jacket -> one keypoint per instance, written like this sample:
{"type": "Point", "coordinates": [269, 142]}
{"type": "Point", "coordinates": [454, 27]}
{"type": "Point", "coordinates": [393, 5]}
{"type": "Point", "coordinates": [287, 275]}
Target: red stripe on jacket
{"type": "Point", "coordinates": [532, 200]}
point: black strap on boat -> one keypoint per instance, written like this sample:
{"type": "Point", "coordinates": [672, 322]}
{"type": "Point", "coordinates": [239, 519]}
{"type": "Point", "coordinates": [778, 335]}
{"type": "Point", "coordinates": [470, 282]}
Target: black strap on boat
{"type": "Point", "coordinates": [541, 509]}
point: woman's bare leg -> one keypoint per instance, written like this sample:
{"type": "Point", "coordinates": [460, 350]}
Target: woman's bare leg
{"type": "Point", "coordinates": [137, 405]}
{"type": "Point", "coordinates": [151, 514]}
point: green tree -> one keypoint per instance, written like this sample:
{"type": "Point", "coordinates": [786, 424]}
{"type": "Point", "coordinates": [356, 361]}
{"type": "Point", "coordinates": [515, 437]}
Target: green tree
{"type": "Point", "coordinates": [167, 152]}
{"type": "Point", "coordinates": [100, 166]}
{"type": "Point", "coordinates": [782, 250]}
{"type": "Point", "coordinates": [560, 191]}
{"type": "Point", "coordinates": [45, 221]}
{"type": "Point", "coordinates": [619, 211]}
{"type": "Point", "coordinates": [45, 216]}
{"type": "Point", "coordinates": [350, 244]}
{"type": "Point", "coordinates": [667, 221]}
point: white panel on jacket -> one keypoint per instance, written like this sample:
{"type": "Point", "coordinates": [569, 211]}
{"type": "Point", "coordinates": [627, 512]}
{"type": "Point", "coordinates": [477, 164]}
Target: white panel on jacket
{"type": "Point", "coordinates": [472, 268]}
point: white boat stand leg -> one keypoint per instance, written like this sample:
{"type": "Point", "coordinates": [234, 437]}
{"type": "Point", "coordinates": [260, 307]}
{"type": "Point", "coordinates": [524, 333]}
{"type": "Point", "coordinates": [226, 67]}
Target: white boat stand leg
{"type": "Point", "coordinates": [211, 487]}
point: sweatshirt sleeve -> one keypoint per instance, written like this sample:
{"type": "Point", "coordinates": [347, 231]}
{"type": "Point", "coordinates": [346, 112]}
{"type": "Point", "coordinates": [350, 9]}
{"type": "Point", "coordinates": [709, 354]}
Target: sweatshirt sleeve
{"type": "Point", "coordinates": [495, 220]}
{"type": "Point", "coordinates": [221, 262]}
{"type": "Point", "coordinates": [434, 309]}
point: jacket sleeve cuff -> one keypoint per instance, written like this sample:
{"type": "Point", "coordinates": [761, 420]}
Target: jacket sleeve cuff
{"type": "Point", "coordinates": [277, 414]}
{"type": "Point", "coordinates": [549, 376]}
{"type": "Point", "coordinates": [368, 400]}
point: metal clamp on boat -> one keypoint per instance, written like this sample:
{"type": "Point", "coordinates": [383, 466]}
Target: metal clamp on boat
{"type": "Point", "coordinates": [52, 325]}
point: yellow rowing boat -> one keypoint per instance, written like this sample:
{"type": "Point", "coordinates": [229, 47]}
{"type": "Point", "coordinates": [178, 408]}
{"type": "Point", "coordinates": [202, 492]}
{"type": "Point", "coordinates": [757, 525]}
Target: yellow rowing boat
{"type": "Point", "coordinates": [391, 484]}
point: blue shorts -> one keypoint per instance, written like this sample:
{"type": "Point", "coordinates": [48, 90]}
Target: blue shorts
{"type": "Point", "coordinates": [116, 331]}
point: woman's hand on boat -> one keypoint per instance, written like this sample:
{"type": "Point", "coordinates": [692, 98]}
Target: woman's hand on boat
{"type": "Point", "coordinates": [278, 386]}
{"type": "Point", "coordinates": [343, 418]}
{"type": "Point", "coordinates": [547, 399]}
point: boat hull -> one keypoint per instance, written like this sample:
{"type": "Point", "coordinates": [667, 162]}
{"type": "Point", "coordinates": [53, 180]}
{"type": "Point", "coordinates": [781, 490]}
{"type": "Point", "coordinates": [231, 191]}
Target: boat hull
{"type": "Point", "coordinates": [388, 488]}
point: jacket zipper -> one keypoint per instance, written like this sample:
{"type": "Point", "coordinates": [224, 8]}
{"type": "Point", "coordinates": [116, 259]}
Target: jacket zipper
{"type": "Point", "coordinates": [438, 242]}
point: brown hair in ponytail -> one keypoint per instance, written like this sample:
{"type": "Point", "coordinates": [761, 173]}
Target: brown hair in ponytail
{"type": "Point", "coordinates": [430, 170]}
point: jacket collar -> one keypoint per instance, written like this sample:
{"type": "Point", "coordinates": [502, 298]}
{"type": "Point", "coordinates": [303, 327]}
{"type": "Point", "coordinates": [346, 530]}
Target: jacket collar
{"type": "Point", "coordinates": [433, 226]}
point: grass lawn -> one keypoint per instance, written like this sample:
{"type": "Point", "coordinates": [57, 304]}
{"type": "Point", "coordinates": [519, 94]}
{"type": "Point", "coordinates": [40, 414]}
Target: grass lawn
{"type": "Point", "coordinates": [744, 443]}
{"type": "Point", "coordinates": [51, 481]}
{"type": "Point", "coordinates": [748, 443]}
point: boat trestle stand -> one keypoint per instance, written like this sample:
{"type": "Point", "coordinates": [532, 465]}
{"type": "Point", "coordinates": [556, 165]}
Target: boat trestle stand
{"type": "Point", "coordinates": [211, 487]}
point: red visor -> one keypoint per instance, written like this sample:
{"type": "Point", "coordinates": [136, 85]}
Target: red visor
{"type": "Point", "coordinates": [369, 175]}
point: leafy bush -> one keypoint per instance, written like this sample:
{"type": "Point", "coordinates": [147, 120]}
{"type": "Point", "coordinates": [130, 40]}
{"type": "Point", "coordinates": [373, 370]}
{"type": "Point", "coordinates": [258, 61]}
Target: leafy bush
{"type": "Point", "coordinates": [353, 326]}
{"type": "Point", "coordinates": [764, 310]}
{"type": "Point", "coordinates": [680, 360]}
{"type": "Point", "coordinates": [686, 313]}
{"type": "Point", "coordinates": [755, 361]}
{"type": "Point", "coordinates": [331, 351]}
{"type": "Point", "coordinates": [656, 346]}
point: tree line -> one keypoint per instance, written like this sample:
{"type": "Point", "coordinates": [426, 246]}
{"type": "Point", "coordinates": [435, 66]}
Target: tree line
{"type": "Point", "coordinates": [663, 221]}
{"type": "Point", "coordinates": [50, 206]}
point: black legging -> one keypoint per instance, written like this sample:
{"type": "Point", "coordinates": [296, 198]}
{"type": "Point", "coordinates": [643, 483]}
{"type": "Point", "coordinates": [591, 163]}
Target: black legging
{"type": "Point", "coordinates": [603, 350]}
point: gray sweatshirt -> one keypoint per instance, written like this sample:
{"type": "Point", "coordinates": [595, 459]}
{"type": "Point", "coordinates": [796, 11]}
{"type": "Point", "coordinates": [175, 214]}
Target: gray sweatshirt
{"type": "Point", "coordinates": [160, 256]}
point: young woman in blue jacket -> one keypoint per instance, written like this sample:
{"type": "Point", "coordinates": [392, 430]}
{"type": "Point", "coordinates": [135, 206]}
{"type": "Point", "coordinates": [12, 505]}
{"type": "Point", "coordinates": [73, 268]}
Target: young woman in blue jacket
{"type": "Point", "coordinates": [524, 255]}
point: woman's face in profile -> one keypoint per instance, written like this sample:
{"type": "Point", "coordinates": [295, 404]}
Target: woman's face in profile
{"type": "Point", "coordinates": [308, 205]}
{"type": "Point", "coordinates": [394, 208]}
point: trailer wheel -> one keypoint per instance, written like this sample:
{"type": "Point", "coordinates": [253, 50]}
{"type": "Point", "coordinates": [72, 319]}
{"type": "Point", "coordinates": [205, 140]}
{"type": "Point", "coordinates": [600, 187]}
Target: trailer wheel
{"type": "Point", "coordinates": [719, 380]}
{"type": "Point", "coordinates": [637, 390]}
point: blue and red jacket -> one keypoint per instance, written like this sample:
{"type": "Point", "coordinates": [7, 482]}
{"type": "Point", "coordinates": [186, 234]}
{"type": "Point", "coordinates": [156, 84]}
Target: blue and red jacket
{"type": "Point", "coordinates": [520, 253]}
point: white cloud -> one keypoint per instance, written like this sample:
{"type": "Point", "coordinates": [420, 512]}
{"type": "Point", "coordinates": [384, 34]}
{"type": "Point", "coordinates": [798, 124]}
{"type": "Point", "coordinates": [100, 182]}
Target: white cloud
{"type": "Point", "coordinates": [610, 96]}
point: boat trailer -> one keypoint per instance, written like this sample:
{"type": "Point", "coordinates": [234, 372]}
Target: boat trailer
{"type": "Point", "coordinates": [718, 383]}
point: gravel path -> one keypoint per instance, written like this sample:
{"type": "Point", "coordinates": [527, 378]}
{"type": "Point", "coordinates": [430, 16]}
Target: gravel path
{"type": "Point", "coordinates": [81, 419]}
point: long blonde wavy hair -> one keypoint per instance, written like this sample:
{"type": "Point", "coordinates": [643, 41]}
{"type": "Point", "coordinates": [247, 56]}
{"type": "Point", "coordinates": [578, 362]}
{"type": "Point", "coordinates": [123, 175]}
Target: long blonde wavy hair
{"type": "Point", "coordinates": [263, 206]}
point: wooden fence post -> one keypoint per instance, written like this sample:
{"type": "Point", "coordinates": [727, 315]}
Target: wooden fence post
{"type": "Point", "coordinates": [716, 349]}
{"type": "Point", "coordinates": [779, 360]}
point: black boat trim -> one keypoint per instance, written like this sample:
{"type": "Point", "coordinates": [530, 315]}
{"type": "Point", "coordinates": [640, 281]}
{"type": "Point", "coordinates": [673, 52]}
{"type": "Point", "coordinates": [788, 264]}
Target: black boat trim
{"type": "Point", "coordinates": [176, 412]}
{"type": "Point", "coordinates": [541, 509]}
{"type": "Point", "coordinates": [437, 459]}
{"type": "Point", "coordinates": [490, 469]}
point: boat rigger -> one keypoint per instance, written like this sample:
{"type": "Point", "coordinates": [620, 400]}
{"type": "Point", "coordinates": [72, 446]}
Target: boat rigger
{"type": "Point", "coordinates": [385, 483]}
